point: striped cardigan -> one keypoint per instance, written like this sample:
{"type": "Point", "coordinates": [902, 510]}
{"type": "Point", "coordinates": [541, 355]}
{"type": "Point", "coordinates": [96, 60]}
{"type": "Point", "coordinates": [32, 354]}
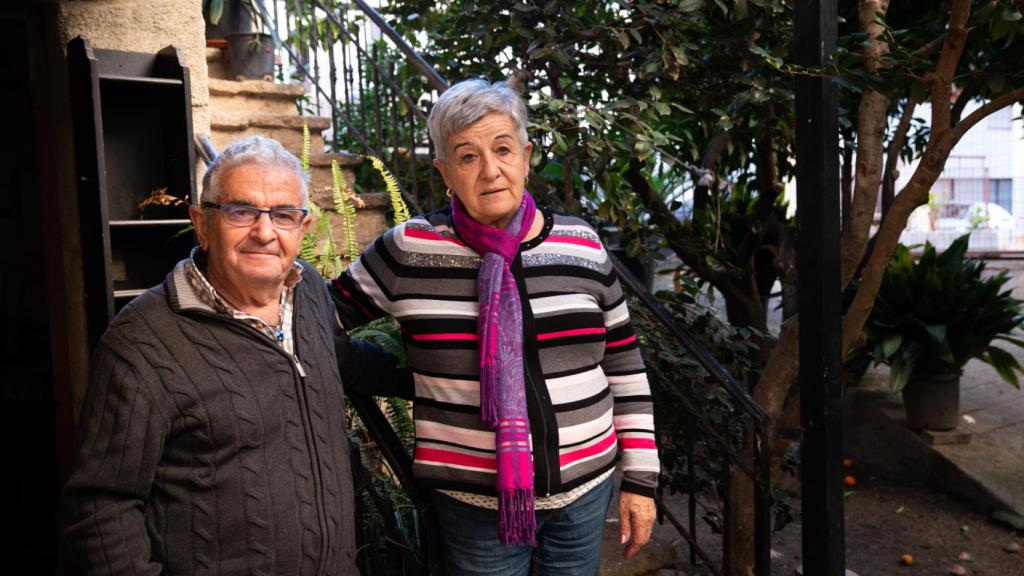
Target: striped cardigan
{"type": "Point", "coordinates": [587, 394]}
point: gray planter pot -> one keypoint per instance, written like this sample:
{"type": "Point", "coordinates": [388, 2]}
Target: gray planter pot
{"type": "Point", "coordinates": [236, 19]}
{"type": "Point", "coordinates": [252, 56]}
{"type": "Point", "coordinates": [932, 401]}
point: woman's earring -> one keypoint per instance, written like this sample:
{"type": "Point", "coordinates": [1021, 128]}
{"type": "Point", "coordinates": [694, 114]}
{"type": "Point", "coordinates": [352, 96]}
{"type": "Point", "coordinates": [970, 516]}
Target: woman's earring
{"type": "Point", "coordinates": [448, 192]}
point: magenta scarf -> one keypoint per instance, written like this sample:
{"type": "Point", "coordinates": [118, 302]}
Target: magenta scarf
{"type": "Point", "coordinates": [502, 384]}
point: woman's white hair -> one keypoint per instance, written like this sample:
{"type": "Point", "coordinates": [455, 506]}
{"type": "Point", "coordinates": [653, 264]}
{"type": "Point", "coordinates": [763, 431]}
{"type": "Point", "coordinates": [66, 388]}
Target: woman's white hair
{"type": "Point", "coordinates": [465, 103]}
{"type": "Point", "coordinates": [258, 150]}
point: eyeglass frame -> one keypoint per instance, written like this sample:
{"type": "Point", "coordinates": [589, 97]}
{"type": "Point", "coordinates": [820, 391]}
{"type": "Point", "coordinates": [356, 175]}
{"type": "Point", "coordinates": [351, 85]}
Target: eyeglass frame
{"type": "Point", "coordinates": [259, 212]}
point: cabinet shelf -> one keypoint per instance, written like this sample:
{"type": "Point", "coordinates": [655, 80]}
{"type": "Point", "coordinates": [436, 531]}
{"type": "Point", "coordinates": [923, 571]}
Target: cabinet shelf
{"type": "Point", "coordinates": [150, 223]}
{"type": "Point", "coordinates": [140, 80]}
{"type": "Point", "coordinates": [132, 115]}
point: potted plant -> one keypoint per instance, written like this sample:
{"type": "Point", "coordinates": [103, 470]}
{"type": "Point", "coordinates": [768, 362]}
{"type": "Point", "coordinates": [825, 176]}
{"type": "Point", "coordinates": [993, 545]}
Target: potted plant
{"type": "Point", "coordinates": [930, 318]}
{"type": "Point", "coordinates": [225, 17]}
{"type": "Point", "coordinates": [239, 26]}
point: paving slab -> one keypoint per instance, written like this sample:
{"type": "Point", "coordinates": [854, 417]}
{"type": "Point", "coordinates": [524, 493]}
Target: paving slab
{"type": "Point", "coordinates": [663, 549]}
{"type": "Point", "coordinates": [988, 470]}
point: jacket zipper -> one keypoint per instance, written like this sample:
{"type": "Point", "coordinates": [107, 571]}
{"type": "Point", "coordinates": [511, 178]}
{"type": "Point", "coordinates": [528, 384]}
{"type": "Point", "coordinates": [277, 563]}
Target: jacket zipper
{"type": "Point", "coordinates": [544, 481]}
{"type": "Point", "coordinates": [297, 369]}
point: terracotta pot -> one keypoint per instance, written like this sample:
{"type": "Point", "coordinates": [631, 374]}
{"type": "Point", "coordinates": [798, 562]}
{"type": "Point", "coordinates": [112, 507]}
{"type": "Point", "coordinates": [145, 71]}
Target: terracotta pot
{"type": "Point", "coordinates": [932, 401]}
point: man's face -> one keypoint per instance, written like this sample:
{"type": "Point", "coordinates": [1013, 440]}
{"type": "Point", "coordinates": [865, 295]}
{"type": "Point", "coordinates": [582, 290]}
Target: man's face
{"type": "Point", "coordinates": [260, 255]}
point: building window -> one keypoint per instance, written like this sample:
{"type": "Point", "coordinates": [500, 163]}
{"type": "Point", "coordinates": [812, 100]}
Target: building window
{"type": "Point", "coordinates": [1001, 192]}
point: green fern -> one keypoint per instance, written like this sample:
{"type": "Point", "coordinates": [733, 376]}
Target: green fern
{"type": "Point", "coordinates": [318, 246]}
{"type": "Point", "coordinates": [304, 157]}
{"type": "Point", "coordinates": [343, 204]}
{"type": "Point", "coordinates": [397, 204]}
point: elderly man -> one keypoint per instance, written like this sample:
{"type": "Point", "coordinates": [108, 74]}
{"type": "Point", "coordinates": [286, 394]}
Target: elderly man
{"type": "Point", "coordinates": [212, 438]}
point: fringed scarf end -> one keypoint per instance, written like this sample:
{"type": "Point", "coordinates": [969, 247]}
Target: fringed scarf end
{"type": "Point", "coordinates": [517, 525]}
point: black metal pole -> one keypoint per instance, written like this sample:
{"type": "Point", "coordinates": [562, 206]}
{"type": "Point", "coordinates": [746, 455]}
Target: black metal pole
{"type": "Point", "coordinates": [817, 180]}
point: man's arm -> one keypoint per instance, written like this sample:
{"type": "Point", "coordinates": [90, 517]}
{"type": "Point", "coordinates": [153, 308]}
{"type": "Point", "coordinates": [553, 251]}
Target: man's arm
{"type": "Point", "coordinates": [120, 438]}
{"type": "Point", "coordinates": [369, 370]}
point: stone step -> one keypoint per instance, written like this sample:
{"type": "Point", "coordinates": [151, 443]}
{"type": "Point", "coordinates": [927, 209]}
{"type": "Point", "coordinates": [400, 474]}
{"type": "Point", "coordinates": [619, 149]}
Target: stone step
{"type": "Point", "coordinates": [287, 129]}
{"type": "Point", "coordinates": [371, 219]}
{"type": "Point", "coordinates": [217, 64]}
{"type": "Point", "coordinates": [254, 97]}
{"type": "Point", "coordinates": [320, 177]}
{"type": "Point", "coordinates": [345, 159]}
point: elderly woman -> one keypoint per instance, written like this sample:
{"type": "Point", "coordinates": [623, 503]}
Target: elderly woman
{"type": "Point", "coordinates": [529, 383]}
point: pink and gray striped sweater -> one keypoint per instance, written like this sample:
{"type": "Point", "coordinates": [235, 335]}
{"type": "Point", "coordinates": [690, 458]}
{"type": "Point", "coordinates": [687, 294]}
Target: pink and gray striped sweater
{"type": "Point", "coordinates": [588, 398]}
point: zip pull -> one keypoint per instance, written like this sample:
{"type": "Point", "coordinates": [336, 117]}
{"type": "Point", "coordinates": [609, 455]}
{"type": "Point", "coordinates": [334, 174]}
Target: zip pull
{"type": "Point", "coordinates": [298, 365]}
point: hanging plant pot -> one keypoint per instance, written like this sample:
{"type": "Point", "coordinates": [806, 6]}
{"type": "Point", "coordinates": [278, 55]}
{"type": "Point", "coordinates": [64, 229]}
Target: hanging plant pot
{"type": "Point", "coordinates": [932, 401]}
{"type": "Point", "coordinates": [252, 56]}
{"type": "Point", "coordinates": [232, 17]}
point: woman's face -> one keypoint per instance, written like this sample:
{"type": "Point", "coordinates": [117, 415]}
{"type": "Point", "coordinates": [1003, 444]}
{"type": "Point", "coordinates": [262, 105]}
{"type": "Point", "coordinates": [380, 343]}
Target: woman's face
{"type": "Point", "coordinates": [486, 168]}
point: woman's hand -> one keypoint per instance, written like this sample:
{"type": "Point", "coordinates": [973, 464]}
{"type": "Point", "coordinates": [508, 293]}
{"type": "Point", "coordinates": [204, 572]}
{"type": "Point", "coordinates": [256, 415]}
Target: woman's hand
{"type": "Point", "coordinates": [636, 517]}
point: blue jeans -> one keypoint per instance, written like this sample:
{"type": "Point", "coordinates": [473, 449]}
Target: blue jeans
{"type": "Point", "coordinates": [568, 539]}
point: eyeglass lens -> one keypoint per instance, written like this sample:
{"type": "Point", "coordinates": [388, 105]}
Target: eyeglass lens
{"type": "Point", "coordinates": [247, 215]}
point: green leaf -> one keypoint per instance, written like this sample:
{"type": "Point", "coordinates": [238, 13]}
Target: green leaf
{"type": "Point", "coordinates": [1005, 364]}
{"type": "Point", "coordinates": [623, 39]}
{"type": "Point", "coordinates": [899, 372]}
{"type": "Point", "coordinates": [690, 5]}
{"type": "Point", "coordinates": [1019, 342]}
{"type": "Point", "coordinates": [680, 53]}
{"type": "Point", "coordinates": [215, 10]}
{"type": "Point", "coordinates": [937, 332]}
{"type": "Point", "coordinates": [891, 344]}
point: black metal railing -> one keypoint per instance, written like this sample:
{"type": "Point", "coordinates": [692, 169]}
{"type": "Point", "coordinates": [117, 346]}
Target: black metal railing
{"type": "Point", "coordinates": [716, 443]}
{"type": "Point", "coordinates": [374, 86]}
{"type": "Point", "coordinates": [377, 89]}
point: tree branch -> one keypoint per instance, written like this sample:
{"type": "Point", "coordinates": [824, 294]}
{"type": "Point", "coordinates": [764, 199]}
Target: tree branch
{"type": "Point", "coordinates": [941, 80]}
{"type": "Point", "coordinates": [928, 49]}
{"type": "Point", "coordinates": [966, 95]}
{"type": "Point", "coordinates": [769, 189]}
{"type": "Point", "coordinates": [871, 123]}
{"type": "Point", "coordinates": [893, 156]}
{"type": "Point", "coordinates": [701, 182]}
{"type": "Point", "coordinates": [673, 229]}
{"type": "Point", "coordinates": [978, 115]}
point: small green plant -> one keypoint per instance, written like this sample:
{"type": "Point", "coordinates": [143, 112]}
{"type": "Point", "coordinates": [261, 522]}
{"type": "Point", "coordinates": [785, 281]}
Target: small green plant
{"type": "Point", "coordinates": [381, 493]}
{"type": "Point", "coordinates": [397, 204]}
{"type": "Point", "coordinates": [318, 246]}
{"type": "Point", "coordinates": [933, 315]}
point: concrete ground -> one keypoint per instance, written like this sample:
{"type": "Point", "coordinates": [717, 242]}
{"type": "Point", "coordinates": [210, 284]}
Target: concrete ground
{"type": "Point", "coordinates": [988, 470]}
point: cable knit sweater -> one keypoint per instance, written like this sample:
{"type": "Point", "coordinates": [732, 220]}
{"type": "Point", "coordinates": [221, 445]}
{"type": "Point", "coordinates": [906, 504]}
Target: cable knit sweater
{"type": "Point", "coordinates": [204, 448]}
{"type": "Point", "coordinates": [586, 389]}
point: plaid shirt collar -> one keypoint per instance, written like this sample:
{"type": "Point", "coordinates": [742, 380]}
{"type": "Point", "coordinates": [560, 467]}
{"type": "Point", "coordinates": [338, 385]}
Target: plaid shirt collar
{"type": "Point", "coordinates": [282, 334]}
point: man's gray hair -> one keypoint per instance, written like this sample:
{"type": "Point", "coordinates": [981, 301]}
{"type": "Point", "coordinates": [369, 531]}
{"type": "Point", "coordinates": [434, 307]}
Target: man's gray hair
{"type": "Point", "coordinates": [465, 103]}
{"type": "Point", "coordinates": [252, 150]}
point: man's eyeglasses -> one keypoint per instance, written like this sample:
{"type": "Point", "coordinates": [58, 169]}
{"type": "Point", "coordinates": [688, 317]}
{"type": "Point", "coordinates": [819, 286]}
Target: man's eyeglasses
{"type": "Point", "coordinates": [238, 215]}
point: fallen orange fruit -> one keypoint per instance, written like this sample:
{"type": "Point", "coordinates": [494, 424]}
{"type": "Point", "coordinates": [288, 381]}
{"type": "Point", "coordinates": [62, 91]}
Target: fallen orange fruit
{"type": "Point", "coordinates": [907, 560]}
{"type": "Point", "coordinates": [850, 481]}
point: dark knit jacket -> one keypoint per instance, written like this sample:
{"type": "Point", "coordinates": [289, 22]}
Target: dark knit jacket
{"type": "Point", "coordinates": [204, 448]}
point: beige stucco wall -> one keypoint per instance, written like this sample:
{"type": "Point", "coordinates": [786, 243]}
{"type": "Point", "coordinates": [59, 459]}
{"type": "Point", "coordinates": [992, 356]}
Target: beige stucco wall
{"type": "Point", "coordinates": [146, 26]}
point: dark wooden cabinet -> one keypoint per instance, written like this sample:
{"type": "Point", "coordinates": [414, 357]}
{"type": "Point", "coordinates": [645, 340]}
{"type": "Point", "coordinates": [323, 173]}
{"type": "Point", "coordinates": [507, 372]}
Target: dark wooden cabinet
{"type": "Point", "coordinates": [132, 116]}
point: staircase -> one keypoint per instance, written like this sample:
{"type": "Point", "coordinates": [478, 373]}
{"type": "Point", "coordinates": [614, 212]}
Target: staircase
{"type": "Point", "coordinates": [255, 107]}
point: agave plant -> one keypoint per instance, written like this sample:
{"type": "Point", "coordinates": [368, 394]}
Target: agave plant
{"type": "Point", "coordinates": [933, 315]}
